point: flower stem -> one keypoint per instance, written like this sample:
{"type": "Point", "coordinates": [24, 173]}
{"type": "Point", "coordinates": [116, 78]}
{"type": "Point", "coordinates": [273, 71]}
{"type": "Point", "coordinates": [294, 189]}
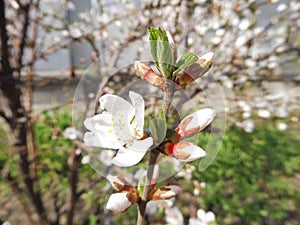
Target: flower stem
{"type": "Point", "coordinates": [168, 96]}
{"type": "Point", "coordinates": [142, 204]}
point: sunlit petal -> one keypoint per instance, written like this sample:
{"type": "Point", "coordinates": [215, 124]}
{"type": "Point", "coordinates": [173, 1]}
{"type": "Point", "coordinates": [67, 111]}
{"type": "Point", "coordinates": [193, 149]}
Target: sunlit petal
{"type": "Point", "coordinates": [100, 122]}
{"type": "Point", "coordinates": [139, 107]}
{"type": "Point", "coordinates": [121, 125]}
{"type": "Point", "coordinates": [118, 202]}
{"type": "Point", "coordinates": [114, 103]}
{"type": "Point", "coordinates": [184, 151]}
{"type": "Point", "coordinates": [195, 122]}
{"type": "Point", "coordinates": [102, 139]}
{"type": "Point", "coordinates": [133, 154]}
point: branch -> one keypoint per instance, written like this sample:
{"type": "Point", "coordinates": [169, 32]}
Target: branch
{"type": "Point", "coordinates": [73, 162]}
{"type": "Point", "coordinates": [168, 96]}
{"type": "Point", "coordinates": [5, 117]}
{"type": "Point", "coordinates": [4, 40]}
{"type": "Point", "coordinates": [18, 191]}
{"type": "Point", "coordinates": [26, 9]}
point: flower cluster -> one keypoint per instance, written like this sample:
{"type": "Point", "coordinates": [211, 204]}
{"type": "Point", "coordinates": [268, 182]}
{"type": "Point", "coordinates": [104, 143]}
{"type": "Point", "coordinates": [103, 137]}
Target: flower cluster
{"type": "Point", "coordinates": [120, 126]}
{"type": "Point", "coordinates": [128, 195]}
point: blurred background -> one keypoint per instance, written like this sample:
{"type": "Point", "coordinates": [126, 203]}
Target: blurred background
{"type": "Point", "coordinates": [46, 48]}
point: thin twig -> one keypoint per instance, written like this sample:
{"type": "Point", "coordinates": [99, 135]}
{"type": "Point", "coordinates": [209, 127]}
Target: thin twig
{"type": "Point", "coordinates": [168, 96]}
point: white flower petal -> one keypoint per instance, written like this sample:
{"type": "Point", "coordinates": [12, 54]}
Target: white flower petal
{"type": "Point", "coordinates": [201, 215]}
{"type": "Point", "coordinates": [116, 182]}
{"type": "Point", "coordinates": [202, 118]}
{"type": "Point", "coordinates": [100, 122]}
{"type": "Point", "coordinates": [139, 108]}
{"type": "Point", "coordinates": [174, 216]}
{"type": "Point", "coordinates": [133, 154]}
{"type": "Point", "coordinates": [187, 152]}
{"type": "Point", "coordinates": [106, 156]}
{"type": "Point", "coordinates": [121, 125]}
{"type": "Point", "coordinates": [195, 122]}
{"type": "Point", "coordinates": [210, 217]}
{"type": "Point", "coordinates": [194, 221]}
{"type": "Point", "coordinates": [101, 139]}
{"type": "Point", "coordinates": [114, 103]}
{"type": "Point", "coordinates": [118, 202]}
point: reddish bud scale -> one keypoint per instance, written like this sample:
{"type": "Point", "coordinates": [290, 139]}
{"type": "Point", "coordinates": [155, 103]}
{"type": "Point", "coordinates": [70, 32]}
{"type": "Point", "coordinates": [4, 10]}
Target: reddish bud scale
{"type": "Point", "coordinates": [147, 73]}
{"type": "Point", "coordinates": [169, 149]}
{"type": "Point", "coordinates": [175, 150]}
{"type": "Point", "coordinates": [133, 197]}
{"type": "Point", "coordinates": [166, 192]}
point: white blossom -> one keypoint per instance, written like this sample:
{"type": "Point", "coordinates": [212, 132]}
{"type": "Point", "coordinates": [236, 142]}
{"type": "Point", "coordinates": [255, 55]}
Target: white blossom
{"type": "Point", "coordinates": [120, 127]}
{"type": "Point", "coordinates": [282, 126]}
{"type": "Point", "coordinates": [174, 216]}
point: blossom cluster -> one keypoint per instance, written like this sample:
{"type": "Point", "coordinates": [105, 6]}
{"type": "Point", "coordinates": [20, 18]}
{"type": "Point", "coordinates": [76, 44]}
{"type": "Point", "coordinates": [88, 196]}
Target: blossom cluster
{"type": "Point", "coordinates": [121, 125]}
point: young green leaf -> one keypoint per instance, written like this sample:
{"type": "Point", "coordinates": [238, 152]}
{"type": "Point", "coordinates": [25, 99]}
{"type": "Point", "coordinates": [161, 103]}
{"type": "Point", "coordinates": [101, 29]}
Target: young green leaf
{"type": "Point", "coordinates": [186, 60]}
{"type": "Point", "coordinates": [161, 51]}
{"type": "Point", "coordinates": [141, 185]}
{"type": "Point", "coordinates": [158, 129]}
{"type": "Point", "coordinates": [170, 133]}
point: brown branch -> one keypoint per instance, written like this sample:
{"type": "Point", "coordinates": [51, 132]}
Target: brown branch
{"type": "Point", "coordinates": [18, 191]}
{"type": "Point", "coordinates": [26, 11]}
{"type": "Point", "coordinates": [168, 97]}
{"type": "Point", "coordinates": [4, 40]}
{"type": "Point", "coordinates": [30, 124]}
{"type": "Point", "coordinates": [72, 198]}
{"type": "Point", "coordinates": [5, 117]}
{"type": "Point", "coordinates": [104, 81]}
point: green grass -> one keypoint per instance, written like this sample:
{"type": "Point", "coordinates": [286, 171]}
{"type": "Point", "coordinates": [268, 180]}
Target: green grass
{"type": "Point", "coordinates": [253, 179]}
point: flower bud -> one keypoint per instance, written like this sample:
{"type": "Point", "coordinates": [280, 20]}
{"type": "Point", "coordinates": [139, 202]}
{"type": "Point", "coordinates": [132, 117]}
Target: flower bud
{"type": "Point", "coordinates": [196, 70]}
{"type": "Point", "coordinates": [166, 192]}
{"type": "Point", "coordinates": [120, 202]}
{"type": "Point", "coordinates": [172, 43]}
{"type": "Point", "coordinates": [155, 174]}
{"type": "Point", "coordinates": [184, 151]}
{"type": "Point", "coordinates": [117, 183]}
{"type": "Point", "coordinates": [194, 123]}
{"type": "Point", "coordinates": [147, 73]}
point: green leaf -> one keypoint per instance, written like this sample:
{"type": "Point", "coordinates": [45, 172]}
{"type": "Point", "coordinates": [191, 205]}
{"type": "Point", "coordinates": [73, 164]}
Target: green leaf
{"type": "Point", "coordinates": [141, 185]}
{"type": "Point", "coordinates": [186, 60]}
{"type": "Point", "coordinates": [170, 133]}
{"type": "Point", "coordinates": [161, 51]}
{"type": "Point", "coordinates": [158, 129]}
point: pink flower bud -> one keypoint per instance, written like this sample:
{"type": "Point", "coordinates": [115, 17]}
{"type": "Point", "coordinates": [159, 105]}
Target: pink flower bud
{"type": "Point", "coordinates": [117, 183]}
{"type": "Point", "coordinates": [196, 70]}
{"type": "Point", "coordinates": [194, 123]}
{"type": "Point", "coordinates": [166, 192]}
{"type": "Point", "coordinates": [184, 151]}
{"type": "Point", "coordinates": [147, 73]}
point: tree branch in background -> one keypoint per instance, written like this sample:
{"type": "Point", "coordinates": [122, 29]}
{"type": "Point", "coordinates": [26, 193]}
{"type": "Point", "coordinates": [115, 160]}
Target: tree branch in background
{"type": "Point", "coordinates": [73, 161]}
{"type": "Point", "coordinates": [4, 42]}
